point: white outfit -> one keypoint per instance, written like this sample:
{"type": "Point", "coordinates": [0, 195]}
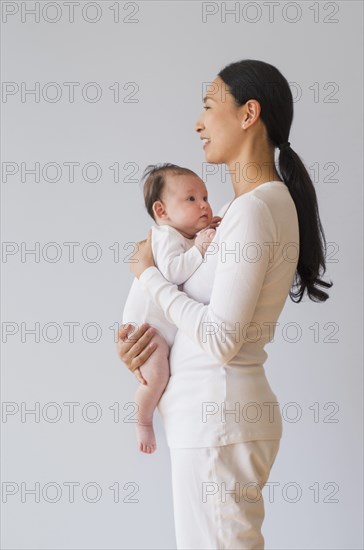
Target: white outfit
{"type": "Point", "coordinates": [217, 494]}
{"type": "Point", "coordinates": [222, 420]}
{"type": "Point", "coordinates": [218, 392]}
{"type": "Point", "coordinates": [177, 258]}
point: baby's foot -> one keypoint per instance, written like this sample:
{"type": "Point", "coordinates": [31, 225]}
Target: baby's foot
{"type": "Point", "coordinates": [145, 437]}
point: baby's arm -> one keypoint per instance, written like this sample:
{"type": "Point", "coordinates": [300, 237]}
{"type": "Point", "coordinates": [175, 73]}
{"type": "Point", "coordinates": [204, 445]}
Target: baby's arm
{"type": "Point", "coordinates": [174, 262]}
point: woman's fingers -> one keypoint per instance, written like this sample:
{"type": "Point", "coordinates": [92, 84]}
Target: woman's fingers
{"type": "Point", "coordinates": [134, 349]}
{"type": "Point", "coordinates": [135, 334]}
{"type": "Point", "coordinates": [139, 376]}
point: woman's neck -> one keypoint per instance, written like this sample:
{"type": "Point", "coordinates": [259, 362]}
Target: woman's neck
{"type": "Point", "coordinates": [251, 169]}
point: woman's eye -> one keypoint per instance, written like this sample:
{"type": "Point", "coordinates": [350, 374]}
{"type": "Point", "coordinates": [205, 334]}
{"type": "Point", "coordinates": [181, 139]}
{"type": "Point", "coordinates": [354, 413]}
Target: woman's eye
{"type": "Point", "coordinates": [205, 107]}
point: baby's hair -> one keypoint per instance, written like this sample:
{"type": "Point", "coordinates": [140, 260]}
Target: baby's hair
{"type": "Point", "coordinates": [155, 180]}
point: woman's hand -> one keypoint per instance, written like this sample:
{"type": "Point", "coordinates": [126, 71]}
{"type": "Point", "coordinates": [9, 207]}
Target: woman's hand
{"type": "Point", "coordinates": [143, 257]}
{"type": "Point", "coordinates": [134, 351]}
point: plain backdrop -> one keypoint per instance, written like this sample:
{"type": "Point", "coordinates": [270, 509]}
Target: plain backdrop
{"type": "Point", "coordinates": [72, 476]}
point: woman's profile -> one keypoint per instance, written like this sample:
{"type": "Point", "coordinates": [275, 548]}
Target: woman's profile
{"type": "Point", "coordinates": [221, 417]}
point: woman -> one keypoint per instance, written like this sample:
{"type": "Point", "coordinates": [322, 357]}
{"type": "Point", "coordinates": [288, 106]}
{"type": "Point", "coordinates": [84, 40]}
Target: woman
{"type": "Point", "coordinates": [222, 419]}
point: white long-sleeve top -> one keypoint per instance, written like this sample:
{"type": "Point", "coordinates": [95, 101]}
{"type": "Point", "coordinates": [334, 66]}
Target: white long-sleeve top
{"type": "Point", "coordinates": [177, 259]}
{"type": "Point", "coordinates": [218, 392]}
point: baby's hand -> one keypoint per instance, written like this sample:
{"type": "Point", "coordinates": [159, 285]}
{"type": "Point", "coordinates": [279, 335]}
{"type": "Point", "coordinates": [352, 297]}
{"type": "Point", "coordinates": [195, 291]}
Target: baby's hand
{"type": "Point", "coordinates": [214, 222]}
{"type": "Point", "coordinates": [204, 238]}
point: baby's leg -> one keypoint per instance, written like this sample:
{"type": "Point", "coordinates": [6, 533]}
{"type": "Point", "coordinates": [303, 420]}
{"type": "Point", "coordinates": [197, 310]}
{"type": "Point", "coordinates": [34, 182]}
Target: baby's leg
{"type": "Point", "coordinates": [156, 372]}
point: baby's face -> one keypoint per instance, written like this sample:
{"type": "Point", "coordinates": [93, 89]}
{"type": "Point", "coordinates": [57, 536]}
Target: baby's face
{"type": "Point", "coordinates": [186, 202]}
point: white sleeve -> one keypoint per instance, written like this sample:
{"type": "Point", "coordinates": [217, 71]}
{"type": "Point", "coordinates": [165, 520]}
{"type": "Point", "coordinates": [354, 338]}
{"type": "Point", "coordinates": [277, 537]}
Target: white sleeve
{"type": "Point", "coordinates": [247, 233]}
{"type": "Point", "coordinates": [171, 258]}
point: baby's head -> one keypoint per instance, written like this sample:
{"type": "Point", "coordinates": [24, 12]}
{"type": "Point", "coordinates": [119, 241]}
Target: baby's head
{"type": "Point", "coordinates": [177, 197]}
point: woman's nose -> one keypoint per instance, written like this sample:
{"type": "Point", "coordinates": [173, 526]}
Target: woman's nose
{"type": "Point", "coordinates": [198, 125]}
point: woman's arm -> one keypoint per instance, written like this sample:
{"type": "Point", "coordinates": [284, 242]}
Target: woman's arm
{"type": "Point", "coordinates": [135, 350]}
{"type": "Point", "coordinates": [247, 237]}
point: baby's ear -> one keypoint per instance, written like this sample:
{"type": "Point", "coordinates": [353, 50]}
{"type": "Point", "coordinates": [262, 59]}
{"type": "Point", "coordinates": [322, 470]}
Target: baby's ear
{"type": "Point", "coordinates": [159, 209]}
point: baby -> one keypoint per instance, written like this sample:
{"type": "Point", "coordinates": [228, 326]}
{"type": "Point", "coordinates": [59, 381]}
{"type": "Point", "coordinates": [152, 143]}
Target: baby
{"type": "Point", "coordinates": [176, 199]}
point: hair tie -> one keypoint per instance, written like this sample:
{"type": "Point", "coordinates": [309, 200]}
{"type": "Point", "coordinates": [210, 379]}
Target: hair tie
{"type": "Point", "coordinates": [284, 145]}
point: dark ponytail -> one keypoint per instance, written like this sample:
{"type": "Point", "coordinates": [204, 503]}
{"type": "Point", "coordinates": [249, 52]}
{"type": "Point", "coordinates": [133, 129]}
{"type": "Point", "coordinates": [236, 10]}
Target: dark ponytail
{"type": "Point", "coordinates": [253, 79]}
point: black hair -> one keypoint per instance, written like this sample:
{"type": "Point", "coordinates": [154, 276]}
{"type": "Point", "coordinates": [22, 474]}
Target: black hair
{"type": "Point", "coordinates": [253, 79]}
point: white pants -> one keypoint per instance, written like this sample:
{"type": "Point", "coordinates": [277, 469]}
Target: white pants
{"type": "Point", "coordinates": [217, 495]}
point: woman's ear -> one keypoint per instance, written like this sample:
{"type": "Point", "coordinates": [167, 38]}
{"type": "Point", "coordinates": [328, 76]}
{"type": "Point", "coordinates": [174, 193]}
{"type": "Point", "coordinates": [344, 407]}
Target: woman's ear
{"type": "Point", "coordinates": [250, 114]}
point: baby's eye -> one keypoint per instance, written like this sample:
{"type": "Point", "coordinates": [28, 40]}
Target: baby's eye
{"type": "Point", "coordinates": [192, 198]}
{"type": "Point", "coordinates": [205, 199]}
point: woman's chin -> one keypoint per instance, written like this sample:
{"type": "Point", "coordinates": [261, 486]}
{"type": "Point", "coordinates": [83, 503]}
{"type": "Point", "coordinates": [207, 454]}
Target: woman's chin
{"type": "Point", "coordinates": [211, 159]}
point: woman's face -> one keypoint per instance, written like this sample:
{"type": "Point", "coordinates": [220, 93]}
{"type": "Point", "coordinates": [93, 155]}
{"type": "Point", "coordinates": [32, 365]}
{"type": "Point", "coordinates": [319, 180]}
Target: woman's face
{"type": "Point", "coordinates": [221, 124]}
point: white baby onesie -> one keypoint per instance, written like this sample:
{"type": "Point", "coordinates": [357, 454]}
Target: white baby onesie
{"type": "Point", "coordinates": [177, 259]}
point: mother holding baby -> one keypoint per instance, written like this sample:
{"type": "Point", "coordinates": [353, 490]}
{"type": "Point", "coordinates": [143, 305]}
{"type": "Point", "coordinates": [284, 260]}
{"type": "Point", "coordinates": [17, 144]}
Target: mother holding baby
{"type": "Point", "coordinates": [222, 419]}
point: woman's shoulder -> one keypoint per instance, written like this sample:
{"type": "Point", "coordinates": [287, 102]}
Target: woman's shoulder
{"type": "Point", "coordinates": [244, 207]}
{"type": "Point", "coordinates": [271, 197]}
{"type": "Point", "coordinates": [252, 214]}
{"type": "Point", "coordinates": [266, 210]}
{"type": "Point", "coordinates": [223, 209]}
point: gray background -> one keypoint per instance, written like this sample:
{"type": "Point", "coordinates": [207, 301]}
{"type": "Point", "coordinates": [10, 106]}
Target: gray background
{"type": "Point", "coordinates": [169, 52]}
